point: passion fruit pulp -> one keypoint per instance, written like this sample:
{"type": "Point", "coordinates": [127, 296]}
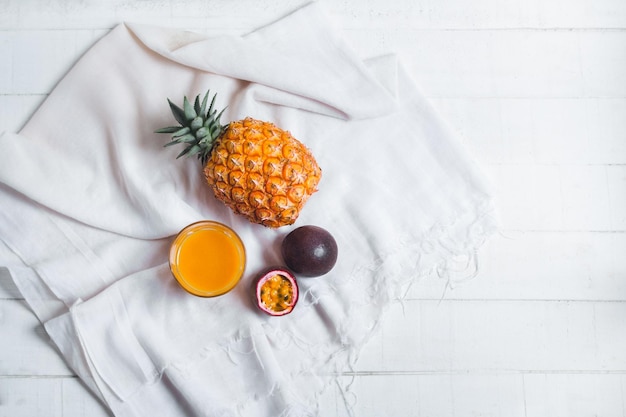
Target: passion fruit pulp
{"type": "Point", "coordinates": [309, 251]}
{"type": "Point", "coordinates": [277, 292]}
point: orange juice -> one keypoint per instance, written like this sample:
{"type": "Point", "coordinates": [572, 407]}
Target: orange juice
{"type": "Point", "coordinates": [207, 258]}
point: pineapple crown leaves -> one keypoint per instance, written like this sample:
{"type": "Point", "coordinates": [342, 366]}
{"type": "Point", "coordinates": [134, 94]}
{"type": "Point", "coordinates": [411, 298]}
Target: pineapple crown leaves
{"type": "Point", "coordinates": [199, 127]}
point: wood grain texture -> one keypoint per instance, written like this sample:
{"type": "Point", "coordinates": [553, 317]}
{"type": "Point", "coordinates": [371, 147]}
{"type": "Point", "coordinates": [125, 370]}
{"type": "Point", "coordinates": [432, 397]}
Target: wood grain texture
{"type": "Point", "coordinates": [537, 92]}
{"type": "Point", "coordinates": [47, 396]}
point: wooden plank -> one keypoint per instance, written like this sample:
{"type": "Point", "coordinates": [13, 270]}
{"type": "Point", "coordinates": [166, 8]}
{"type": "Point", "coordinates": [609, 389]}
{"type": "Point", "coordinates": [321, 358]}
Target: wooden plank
{"type": "Point", "coordinates": [509, 63]}
{"type": "Point", "coordinates": [554, 197]}
{"type": "Point", "coordinates": [538, 130]}
{"type": "Point", "coordinates": [484, 394]}
{"type": "Point", "coordinates": [518, 269]}
{"type": "Point", "coordinates": [583, 266]}
{"type": "Point", "coordinates": [616, 183]}
{"type": "Point", "coordinates": [26, 348]}
{"type": "Point", "coordinates": [497, 336]}
{"type": "Point", "coordinates": [39, 59]}
{"type": "Point", "coordinates": [497, 131]}
{"type": "Point", "coordinates": [15, 110]}
{"type": "Point", "coordinates": [523, 266]}
{"type": "Point", "coordinates": [379, 13]}
{"type": "Point", "coordinates": [489, 63]}
{"type": "Point", "coordinates": [544, 108]}
{"type": "Point", "coordinates": [560, 197]}
{"type": "Point", "coordinates": [423, 395]}
{"type": "Point", "coordinates": [47, 397]}
{"type": "Point", "coordinates": [573, 395]}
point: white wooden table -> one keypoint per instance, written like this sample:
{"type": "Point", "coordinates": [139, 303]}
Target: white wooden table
{"type": "Point", "coordinates": [537, 91]}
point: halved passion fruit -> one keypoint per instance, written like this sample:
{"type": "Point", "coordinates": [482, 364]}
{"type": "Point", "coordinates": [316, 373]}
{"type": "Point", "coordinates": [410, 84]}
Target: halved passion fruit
{"type": "Point", "coordinates": [277, 292]}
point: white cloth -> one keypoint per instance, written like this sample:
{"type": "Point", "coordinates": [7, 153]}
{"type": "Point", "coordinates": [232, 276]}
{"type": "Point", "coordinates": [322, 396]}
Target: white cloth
{"type": "Point", "coordinates": [91, 201]}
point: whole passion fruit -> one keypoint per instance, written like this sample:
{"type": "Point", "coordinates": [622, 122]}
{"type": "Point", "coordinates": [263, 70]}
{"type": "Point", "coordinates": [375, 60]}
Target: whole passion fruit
{"type": "Point", "coordinates": [309, 251]}
{"type": "Point", "coordinates": [277, 292]}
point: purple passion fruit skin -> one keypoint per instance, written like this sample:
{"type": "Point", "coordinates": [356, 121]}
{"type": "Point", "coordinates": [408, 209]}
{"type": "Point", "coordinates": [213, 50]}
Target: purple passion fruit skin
{"type": "Point", "coordinates": [309, 251]}
{"type": "Point", "coordinates": [277, 292]}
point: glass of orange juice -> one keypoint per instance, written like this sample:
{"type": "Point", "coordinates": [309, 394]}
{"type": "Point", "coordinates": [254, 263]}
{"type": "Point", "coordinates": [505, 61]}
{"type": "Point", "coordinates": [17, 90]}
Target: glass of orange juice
{"type": "Point", "coordinates": [207, 258]}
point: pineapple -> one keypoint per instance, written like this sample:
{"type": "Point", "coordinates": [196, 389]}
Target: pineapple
{"type": "Point", "coordinates": [257, 169]}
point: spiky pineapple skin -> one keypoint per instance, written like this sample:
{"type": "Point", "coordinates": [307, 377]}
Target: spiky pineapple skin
{"type": "Point", "coordinates": [262, 172]}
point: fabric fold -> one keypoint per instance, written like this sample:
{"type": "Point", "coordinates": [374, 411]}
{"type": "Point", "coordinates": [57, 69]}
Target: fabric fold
{"type": "Point", "coordinates": [112, 348]}
{"type": "Point", "coordinates": [304, 59]}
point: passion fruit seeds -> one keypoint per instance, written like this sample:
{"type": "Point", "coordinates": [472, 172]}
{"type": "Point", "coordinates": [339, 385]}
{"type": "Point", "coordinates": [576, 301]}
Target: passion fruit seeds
{"type": "Point", "coordinates": [277, 292]}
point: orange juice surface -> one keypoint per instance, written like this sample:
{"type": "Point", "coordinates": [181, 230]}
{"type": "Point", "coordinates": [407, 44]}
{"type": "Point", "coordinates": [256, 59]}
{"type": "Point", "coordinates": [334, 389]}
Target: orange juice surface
{"type": "Point", "coordinates": [207, 258]}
